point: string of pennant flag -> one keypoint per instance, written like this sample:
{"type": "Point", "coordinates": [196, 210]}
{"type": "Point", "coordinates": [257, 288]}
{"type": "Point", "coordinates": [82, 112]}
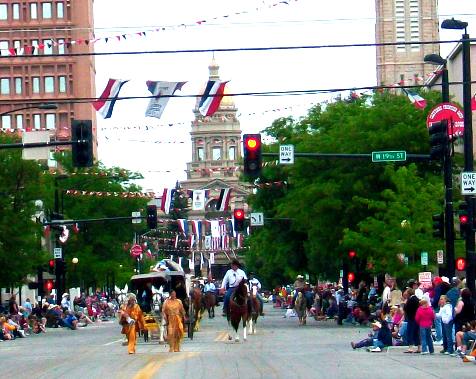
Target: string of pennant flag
{"type": "Point", "coordinates": [40, 47]}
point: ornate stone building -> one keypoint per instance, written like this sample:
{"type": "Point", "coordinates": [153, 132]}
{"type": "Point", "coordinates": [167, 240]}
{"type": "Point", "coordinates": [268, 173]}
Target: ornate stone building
{"type": "Point", "coordinates": [399, 21]}
{"type": "Point", "coordinates": [216, 155]}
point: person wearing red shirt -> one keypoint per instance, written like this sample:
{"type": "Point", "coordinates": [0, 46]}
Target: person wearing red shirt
{"type": "Point", "coordinates": [424, 317]}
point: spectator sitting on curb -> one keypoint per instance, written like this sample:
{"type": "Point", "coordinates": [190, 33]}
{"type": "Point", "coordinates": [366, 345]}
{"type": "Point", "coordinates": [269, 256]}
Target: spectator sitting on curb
{"type": "Point", "coordinates": [378, 338]}
{"type": "Point", "coordinates": [463, 338]}
{"type": "Point", "coordinates": [70, 320]}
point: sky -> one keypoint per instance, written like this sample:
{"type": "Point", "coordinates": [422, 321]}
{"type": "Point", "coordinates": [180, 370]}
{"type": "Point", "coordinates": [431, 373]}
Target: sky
{"type": "Point", "coordinates": [160, 148]}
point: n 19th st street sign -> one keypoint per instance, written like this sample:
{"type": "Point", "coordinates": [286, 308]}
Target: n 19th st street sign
{"type": "Point", "coordinates": [286, 154]}
{"type": "Point", "coordinates": [468, 183]}
{"type": "Point", "coordinates": [389, 156]}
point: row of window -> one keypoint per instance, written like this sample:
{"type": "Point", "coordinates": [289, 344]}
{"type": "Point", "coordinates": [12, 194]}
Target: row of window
{"type": "Point", "coordinates": [216, 153]}
{"type": "Point", "coordinates": [49, 10]}
{"type": "Point", "coordinates": [47, 49]}
{"type": "Point", "coordinates": [49, 85]}
{"type": "Point", "coordinates": [49, 121]}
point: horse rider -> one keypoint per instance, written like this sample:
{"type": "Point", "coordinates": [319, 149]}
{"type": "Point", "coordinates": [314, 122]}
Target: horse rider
{"type": "Point", "coordinates": [254, 282]}
{"type": "Point", "coordinates": [230, 281]}
{"type": "Point", "coordinates": [209, 287]}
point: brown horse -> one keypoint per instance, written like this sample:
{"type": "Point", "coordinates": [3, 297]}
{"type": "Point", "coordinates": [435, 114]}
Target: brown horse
{"type": "Point", "coordinates": [210, 302]}
{"type": "Point", "coordinates": [255, 308]}
{"type": "Point", "coordinates": [238, 309]}
{"type": "Point", "coordinates": [197, 307]}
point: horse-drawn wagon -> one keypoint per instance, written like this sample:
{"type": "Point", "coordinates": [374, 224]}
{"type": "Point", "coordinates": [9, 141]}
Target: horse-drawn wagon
{"type": "Point", "coordinates": [153, 289]}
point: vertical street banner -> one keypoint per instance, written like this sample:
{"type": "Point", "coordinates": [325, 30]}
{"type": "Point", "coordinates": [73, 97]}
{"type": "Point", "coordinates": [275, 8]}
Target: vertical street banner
{"type": "Point", "coordinates": [198, 202]}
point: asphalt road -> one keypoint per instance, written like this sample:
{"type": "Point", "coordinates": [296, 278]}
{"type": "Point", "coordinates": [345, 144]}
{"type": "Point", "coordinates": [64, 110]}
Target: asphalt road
{"type": "Point", "coordinates": [280, 349]}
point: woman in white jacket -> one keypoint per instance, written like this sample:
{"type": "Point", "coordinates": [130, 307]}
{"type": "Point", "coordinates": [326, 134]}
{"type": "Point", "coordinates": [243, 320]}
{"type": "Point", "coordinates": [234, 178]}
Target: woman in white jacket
{"type": "Point", "coordinates": [446, 316]}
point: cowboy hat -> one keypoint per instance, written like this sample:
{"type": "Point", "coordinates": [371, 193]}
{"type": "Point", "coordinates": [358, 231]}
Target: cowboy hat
{"type": "Point", "coordinates": [300, 277]}
{"type": "Point", "coordinates": [65, 294]}
{"type": "Point", "coordinates": [445, 279]}
{"type": "Point", "coordinates": [377, 324]}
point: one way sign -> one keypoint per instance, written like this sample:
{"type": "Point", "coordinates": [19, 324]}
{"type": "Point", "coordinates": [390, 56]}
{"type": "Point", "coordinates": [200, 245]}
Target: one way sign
{"type": "Point", "coordinates": [468, 183]}
{"type": "Point", "coordinates": [286, 154]}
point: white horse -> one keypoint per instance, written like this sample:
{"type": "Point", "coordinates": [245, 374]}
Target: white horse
{"type": "Point", "coordinates": [121, 295]}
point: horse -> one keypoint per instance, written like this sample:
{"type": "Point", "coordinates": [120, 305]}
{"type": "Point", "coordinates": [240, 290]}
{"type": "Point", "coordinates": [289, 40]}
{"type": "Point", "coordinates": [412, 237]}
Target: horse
{"type": "Point", "coordinates": [196, 298]}
{"type": "Point", "coordinates": [210, 302]}
{"type": "Point", "coordinates": [255, 308]}
{"type": "Point", "coordinates": [121, 295]}
{"type": "Point", "coordinates": [238, 309]}
{"type": "Point", "coordinates": [157, 299]}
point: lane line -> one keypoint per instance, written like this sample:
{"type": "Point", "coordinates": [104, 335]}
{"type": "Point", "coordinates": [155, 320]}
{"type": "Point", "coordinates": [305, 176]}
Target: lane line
{"type": "Point", "coordinates": [152, 367]}
{"type": "Point", "coordinates": [113, 342]}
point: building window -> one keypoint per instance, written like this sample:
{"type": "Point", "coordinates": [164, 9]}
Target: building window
{"type": "Point", "coordinates": [216, 153]}
{"type": "Point", "coordinates": [19, 121]}
{"type": "Point", "coordinates": [200, 154]}
{"type": "Point", "coordinates": [46, 10]}
{"type": "Point", "coordinates": [33, 11]}
{"type": "Point", "coordinates": [48, 49]}
{"type": "Point", "coordinates": [60, 46]}
{"type": "Point", "coordinates": [232, 153]}
{"type": "Point", "coordinates": [18, 86]}
{"type": "Point", "coordinates": [3, 45]}
{"type": "Point", "coordinates": [16, 11]}
{"type": "Point", "coordinates": [49, 84]}
{"type": "Point", "coordinates": [60, 10]}
{"type": "Point", "coordinates": [35, 85]}
{"type": "Point", "coordinates": [35, 43]}
{"type": "Point", "coordinates": [6, 122]}
{"type": "Point", "coordinates": [37, 121]}
{"type": "Point", "coordinates": [62, 84]}
{"type": "Point", "coordinates": [50, 121]}
{"type": "Point", "coordinates": [400, 24]}
{"type": "Point", "coordinates": [5, 86]}
{"type": "Point", "coordinates": [3, 12]}
{"type": "Point", "coordinates": [414, 24]}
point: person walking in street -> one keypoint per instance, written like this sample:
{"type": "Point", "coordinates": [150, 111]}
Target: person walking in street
{"type": "Point", "coordinates": [230, 281]}
{"type": "Point", "coordinates": [132, 320]}
{"type": "Point", "coordinates": [173, 313]}
{"type": "Point", "coordinates": [254, 282]}
{"type": "Point", "coordinates": [424, 318]}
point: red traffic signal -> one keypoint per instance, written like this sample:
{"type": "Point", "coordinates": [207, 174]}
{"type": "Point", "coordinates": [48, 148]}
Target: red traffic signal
{"type": "Point", "coordinates": [461, 264]}
{"type": "Point", "coordinates": [350, 277]}
{"type": "Point", "coordinates": [51, 263]}
{"type": "Point", "coordinates": [252, 155]}
{"type": "Point", "coordinates": [352, 254]}
{"type": "Point", "coordinates": [463, 219]}
{"type": "Point", "coordinates": [239, 219]}
{"type": "Point", "coordinates": [239, 214]}
{"type": "Point", "coordinates": [49, 285]}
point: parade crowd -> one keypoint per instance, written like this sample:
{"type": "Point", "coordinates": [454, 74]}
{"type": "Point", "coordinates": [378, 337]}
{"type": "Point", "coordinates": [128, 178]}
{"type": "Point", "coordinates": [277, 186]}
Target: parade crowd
{"type": "Point", "coordinates": [420, 317]}
{"type": "Point", "coordinates": [20, 321]}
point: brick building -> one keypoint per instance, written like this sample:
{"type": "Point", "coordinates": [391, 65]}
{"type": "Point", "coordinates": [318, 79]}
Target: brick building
{"type": "Point", "coordinates": [35, 40]}
{"type": "Point", "coordinates": [405, 20]}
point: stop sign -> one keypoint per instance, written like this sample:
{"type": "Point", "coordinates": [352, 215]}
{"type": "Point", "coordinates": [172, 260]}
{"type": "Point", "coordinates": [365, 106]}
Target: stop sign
{"type": "Point", "coordinates": [450, 112]}
{"type": "Point", "coordinates": [136, 250]}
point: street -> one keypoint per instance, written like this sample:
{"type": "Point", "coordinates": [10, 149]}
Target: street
{"type": "Point", "coordinates": [281, 349]}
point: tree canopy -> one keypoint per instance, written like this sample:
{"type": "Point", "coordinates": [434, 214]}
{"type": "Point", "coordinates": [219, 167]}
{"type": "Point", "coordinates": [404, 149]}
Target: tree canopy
{"type": "Point", "coordinates": [322, 208]}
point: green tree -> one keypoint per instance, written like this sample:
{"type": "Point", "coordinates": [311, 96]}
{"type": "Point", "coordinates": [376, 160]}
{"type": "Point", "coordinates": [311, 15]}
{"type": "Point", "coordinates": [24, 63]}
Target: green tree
{"type": "Point", "coordinates": [337, 204]}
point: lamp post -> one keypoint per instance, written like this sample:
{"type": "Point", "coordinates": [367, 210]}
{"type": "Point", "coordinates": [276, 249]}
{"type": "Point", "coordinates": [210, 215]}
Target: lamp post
{"type": "Point", "coordinates": [33, 106]}
{"type": "Point", "coordinates": [447, 171]}
{"type": "Point", "coordinates": [468, 146]}
{"type": "Point", "coordinates": [74, 261]}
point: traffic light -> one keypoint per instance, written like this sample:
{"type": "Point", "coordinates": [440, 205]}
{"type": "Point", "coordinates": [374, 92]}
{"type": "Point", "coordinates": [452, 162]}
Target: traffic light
{"type": "Point", "coordinates": [350, 277]}
{"type": "Point", "coordinates": [463, 219]}
{"type": "Point", "coordinates": [252, 155]}
{"type": "Point", "coordinates": [461, 264]}
{"type": "Point", "coordinates": [51, 266]}
{"type": "Point", "coordinates": [439, 225]}
{"type": "Point", "coordinates": [439, 139]}
{"type": "Point", "coordinates": [49, 285]}
{"type": "Point", "coordinates": [82, 137]}
{"type": "Point", "coordinates": [152, 216]}
{"type": "Point", "coordinates": [352, 254]}
{"type": "Point", "coordinates": [239, 216]}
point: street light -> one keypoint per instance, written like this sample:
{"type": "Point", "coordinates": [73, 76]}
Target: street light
{"type": "Point", "coordinates": [468, 146]}
{"type": "Point", "coordinates": [447, 169]}
{"type": "Point", "coordinates": [36, 106]}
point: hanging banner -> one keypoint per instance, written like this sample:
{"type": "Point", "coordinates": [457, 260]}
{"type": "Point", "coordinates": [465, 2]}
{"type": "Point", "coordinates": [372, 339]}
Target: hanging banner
{"type": "Point", "coordinates": [212, 258]}
{"type": "Point", "coordinates": [198, 203]}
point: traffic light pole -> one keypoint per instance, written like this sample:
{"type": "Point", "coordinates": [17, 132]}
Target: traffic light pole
{"type": "Point", "coordinates": [468, 162]}
{"type": "Point", "coordinates": [448, 182]}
